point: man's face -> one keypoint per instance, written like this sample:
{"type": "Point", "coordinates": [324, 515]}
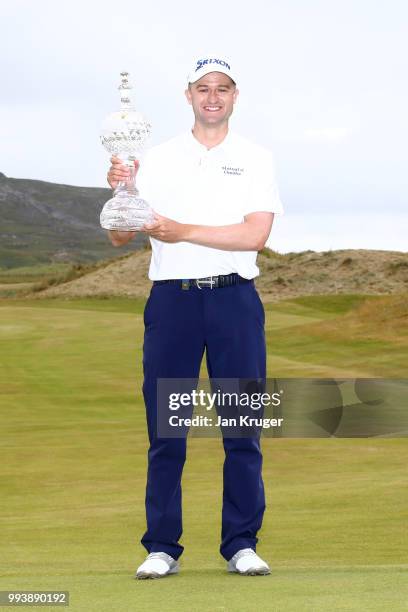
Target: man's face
{"type": "Point", "coordinates": [212, 98]}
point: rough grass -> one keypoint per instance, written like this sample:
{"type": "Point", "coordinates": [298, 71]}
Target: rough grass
{"type": "Point", "coordinates": [32, 273]}
{"type": "Point", "coordinates": [283, 276]}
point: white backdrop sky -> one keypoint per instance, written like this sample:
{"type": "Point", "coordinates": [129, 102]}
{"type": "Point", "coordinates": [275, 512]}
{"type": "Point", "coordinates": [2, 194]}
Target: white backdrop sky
{"type": "Point", "coordinates": [323, 84]}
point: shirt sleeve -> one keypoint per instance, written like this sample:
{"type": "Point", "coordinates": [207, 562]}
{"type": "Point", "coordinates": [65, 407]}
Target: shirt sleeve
{"type": "Point", "coordinates": [263, 192]}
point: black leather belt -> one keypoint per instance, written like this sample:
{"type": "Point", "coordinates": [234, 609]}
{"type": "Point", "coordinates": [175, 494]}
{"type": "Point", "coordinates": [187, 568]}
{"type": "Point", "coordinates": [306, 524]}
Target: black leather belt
{"type": "Point", "coordinates": [212, 282]}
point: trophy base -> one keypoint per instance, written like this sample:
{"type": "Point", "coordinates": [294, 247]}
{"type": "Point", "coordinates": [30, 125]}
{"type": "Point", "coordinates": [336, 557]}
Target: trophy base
{"type": "Point", "coordinates": [126, 213]}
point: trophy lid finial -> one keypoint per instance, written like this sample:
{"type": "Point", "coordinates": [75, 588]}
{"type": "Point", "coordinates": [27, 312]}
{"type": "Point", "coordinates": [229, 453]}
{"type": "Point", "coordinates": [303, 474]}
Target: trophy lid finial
{"type": "Point", "coordinates": [125, 81]}
{"type": "Point", "coordinates": [124, 89]}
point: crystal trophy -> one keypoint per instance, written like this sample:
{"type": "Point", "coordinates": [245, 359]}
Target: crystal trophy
{"type": "Point", "coordinates": [125, 134]}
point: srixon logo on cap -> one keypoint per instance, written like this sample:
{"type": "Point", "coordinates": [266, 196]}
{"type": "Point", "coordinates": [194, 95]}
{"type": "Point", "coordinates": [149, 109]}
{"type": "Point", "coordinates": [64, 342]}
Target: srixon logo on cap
{"type": "Point", "coordinates": [203, 62]}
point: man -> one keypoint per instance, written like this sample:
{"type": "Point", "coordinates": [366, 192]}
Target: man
{"type": "Point", "coordinates": [214, 197]}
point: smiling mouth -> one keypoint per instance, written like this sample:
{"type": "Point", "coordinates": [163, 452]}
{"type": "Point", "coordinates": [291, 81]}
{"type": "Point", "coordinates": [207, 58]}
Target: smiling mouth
{"type": "Point", "coordinates": [212, 109]}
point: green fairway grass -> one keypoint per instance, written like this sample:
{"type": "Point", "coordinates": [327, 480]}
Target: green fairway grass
{"type": "Point", "coordinates": [73, 467]}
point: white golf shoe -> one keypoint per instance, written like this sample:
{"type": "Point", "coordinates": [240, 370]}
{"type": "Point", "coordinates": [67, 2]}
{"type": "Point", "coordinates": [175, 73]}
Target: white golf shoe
{"type": "Point", "coordinates": [247, 562]}
{"type": "Point", "coordinates": [157, 565]}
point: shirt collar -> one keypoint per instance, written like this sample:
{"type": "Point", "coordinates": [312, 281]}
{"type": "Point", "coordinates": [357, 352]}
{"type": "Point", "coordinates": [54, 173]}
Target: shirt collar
{"type": "Point", "coordinates": [200, 148]}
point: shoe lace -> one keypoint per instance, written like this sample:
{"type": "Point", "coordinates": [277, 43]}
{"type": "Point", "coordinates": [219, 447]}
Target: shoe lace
{"type": "Point", "coordinates": [242, 553]}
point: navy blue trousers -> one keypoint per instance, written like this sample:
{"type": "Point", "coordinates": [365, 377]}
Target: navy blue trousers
{"type": "Point", "coordinates": [180, 325]}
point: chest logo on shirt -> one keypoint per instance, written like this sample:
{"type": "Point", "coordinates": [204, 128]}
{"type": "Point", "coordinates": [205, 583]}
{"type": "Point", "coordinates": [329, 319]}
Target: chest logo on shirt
{"type": "Point", "coordinates": [232, 170]}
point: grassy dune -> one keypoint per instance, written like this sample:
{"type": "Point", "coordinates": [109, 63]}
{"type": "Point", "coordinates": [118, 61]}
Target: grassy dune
{"type": "Point", "coordinates": [74, 460]}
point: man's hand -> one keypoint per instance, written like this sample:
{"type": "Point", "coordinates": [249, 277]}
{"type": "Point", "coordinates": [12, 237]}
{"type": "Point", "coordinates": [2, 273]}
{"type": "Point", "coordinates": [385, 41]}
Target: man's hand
{"type": "Point", "coordinates": [119, 238]}
{"type": "Point", "coordinates": [165, 229]}
{"type": "Point", "coordinates": [119, 172]}
{"type": "Point", "coordinates": [250, 235]}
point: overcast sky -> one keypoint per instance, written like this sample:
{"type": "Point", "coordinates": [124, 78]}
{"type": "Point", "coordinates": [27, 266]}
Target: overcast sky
{"type": "Point", "coordinates": [323, 83]}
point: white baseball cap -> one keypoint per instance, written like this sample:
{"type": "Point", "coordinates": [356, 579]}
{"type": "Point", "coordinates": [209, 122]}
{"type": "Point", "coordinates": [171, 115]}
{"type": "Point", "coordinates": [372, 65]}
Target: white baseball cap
{"type": "Point", "coordinates": [209, 64]}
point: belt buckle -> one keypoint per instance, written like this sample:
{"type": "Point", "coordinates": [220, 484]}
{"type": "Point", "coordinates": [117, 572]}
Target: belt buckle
{"type": "Point", "coordinates": [207, 282]}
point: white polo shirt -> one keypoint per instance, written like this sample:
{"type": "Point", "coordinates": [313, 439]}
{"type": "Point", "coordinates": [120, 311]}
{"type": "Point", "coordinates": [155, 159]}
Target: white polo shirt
{"type": "Point", "coordinates": [183, 180]}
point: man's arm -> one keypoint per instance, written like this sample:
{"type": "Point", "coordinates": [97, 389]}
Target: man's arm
{"type": "Point", "coordinates": [250, 235]}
